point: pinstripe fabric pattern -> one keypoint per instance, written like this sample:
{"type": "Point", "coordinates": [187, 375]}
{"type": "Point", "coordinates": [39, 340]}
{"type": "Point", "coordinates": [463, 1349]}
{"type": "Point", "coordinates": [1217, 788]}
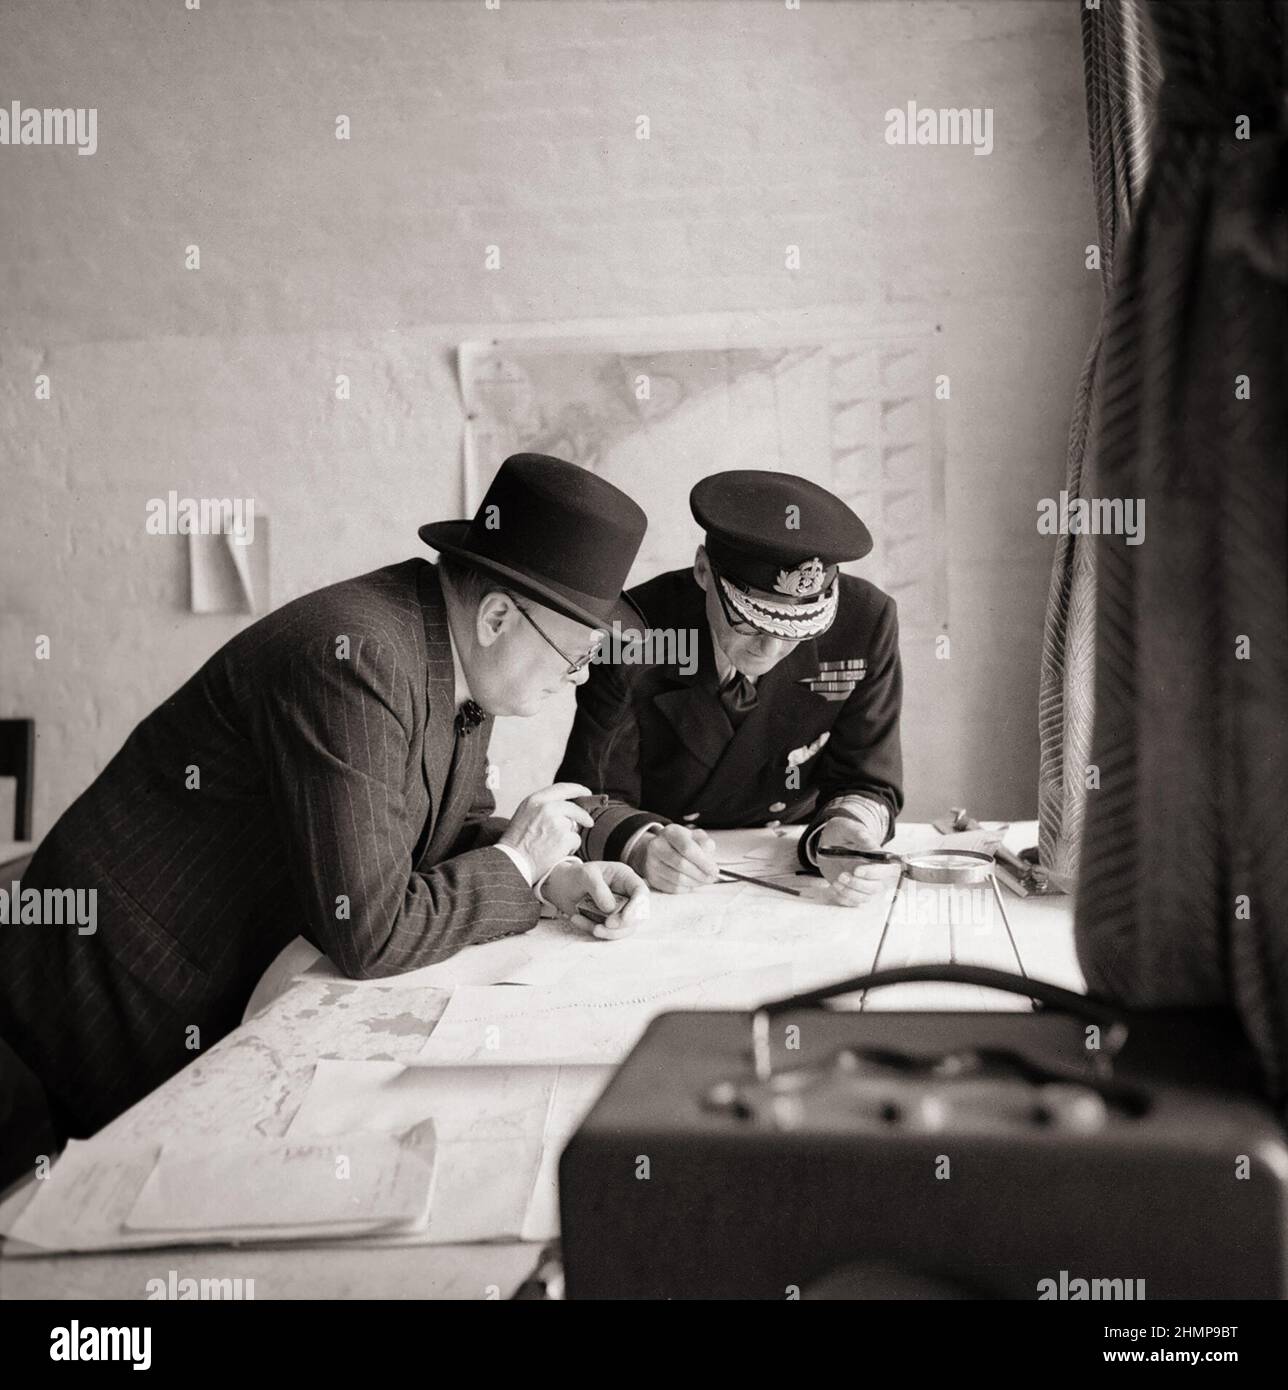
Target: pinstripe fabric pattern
{"type": "Point", "coordinates": [1185, 867]}
{"type": "Point", "coordinates": [1122, 77]}
{"type": "Point", "coordinates": [334, 801]}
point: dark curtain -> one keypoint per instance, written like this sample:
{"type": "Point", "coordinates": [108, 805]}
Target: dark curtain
{"type": "Point", "coordinates": [1184, 886]}
{"type": "Point", "coordinates": [1122, 75]}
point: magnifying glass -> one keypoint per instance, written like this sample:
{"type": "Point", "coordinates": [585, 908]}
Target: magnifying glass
{"type": "Point", "coordinates": [955, 868]}
{"type": "Point", "coordinates": [952, 866]}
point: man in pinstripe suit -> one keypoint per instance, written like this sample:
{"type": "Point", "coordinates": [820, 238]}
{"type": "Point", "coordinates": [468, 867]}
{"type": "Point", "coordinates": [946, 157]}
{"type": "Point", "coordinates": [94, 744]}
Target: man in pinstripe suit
{"type": "Point", "coordinates": [324, 774]}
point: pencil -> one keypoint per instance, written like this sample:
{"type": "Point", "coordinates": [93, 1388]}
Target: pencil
{"type": "Point", "coordinates": [876, 856]}
{"type": "Point", "coordinates": [761, 882]}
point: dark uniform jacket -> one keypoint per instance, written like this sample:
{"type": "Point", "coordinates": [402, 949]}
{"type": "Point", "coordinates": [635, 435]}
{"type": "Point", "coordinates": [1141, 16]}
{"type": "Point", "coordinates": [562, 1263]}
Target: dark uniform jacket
{"type": "Point", "coordinates": [336, 800]}
{"type": "Point", "coordinates": [659, 744]}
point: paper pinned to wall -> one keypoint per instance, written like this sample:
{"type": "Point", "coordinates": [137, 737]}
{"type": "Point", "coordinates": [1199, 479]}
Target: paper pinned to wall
{"type": "Point", "coordinates": [851, 409]}
{"type": "Point", "coordinates": [654, 414]}
{"type": "Point", "coordinates": [227, 574]}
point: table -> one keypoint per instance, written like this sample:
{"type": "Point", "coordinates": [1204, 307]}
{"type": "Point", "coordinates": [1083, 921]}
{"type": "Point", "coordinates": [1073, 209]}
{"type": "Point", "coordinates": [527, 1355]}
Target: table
{"type": "Point", "coordinates": [253, 1081]}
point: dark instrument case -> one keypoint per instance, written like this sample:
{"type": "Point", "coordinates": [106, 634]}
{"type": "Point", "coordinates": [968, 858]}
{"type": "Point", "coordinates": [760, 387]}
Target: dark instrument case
{"type": "Point", "coordinates": [887, 1154]}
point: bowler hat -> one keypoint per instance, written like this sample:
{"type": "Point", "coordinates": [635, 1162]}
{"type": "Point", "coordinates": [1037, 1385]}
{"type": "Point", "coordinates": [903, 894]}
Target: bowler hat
{"type": "Point", "coordinates": [552, 531]}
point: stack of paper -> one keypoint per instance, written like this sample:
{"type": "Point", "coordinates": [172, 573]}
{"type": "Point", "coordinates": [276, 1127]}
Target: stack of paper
{"type": "Point", "coordinates": [102, 1197]}
{"type": "Point", "coordinates": [500, 1133]}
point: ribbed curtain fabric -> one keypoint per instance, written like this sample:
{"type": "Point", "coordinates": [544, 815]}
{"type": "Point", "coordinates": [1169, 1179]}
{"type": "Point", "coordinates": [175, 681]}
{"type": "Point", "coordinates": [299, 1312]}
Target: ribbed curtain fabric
{"type": "Point", "coordinates": [1183, 892]}
{"type": "Point", "coordinates": [1122, 78]}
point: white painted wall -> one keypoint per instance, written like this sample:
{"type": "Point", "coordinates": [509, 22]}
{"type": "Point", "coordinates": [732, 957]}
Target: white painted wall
{"type": "Point", "coordinates": [513, 126]}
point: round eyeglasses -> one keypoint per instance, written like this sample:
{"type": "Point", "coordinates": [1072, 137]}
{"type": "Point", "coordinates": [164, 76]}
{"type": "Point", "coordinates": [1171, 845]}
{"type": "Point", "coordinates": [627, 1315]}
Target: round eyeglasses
{"type": "Point", "coordinates": [575, 664]}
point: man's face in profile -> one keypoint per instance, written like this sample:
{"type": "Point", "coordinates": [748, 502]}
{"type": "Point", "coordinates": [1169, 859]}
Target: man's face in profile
{"type": "Point", "coordinates": [524, 651]}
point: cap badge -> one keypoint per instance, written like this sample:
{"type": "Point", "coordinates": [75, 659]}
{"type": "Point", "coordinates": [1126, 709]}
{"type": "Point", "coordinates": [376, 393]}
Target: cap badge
{"type": "Point", "coordinates": [804, 580]}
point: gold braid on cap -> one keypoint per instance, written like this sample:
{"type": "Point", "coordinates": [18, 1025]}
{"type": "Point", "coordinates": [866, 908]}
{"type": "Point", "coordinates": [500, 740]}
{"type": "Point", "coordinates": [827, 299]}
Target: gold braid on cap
{"type": "Point", "coordinates": [784, 619]}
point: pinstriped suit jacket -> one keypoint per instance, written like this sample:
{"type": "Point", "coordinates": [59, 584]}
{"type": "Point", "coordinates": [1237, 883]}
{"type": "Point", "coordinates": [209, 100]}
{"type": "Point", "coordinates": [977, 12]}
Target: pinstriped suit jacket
{"type": "Point", "coordinates": [334, 801]}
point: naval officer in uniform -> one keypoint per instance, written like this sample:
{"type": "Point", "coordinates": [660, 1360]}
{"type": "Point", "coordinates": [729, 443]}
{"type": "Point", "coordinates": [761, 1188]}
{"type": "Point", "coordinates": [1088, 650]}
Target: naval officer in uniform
{"type": "Point", "coordinates": [792, 712]}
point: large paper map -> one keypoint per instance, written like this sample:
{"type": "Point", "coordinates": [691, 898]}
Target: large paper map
{"type": "Point", "coordinates": [855, 415]}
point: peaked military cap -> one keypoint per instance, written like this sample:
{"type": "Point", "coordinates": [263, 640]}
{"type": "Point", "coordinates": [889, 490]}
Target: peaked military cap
{"type": "Point", "coordinates": [783, 537]}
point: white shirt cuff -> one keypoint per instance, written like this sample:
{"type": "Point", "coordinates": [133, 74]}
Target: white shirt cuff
{"type": "Point", "coordinates": [521, 862]}
{"type": "Point", "coordinates": [873, 815]}
{"type": "Point", "coordinates": [541, 882]}
{"type": "Point", "coordinates": [645, 832]}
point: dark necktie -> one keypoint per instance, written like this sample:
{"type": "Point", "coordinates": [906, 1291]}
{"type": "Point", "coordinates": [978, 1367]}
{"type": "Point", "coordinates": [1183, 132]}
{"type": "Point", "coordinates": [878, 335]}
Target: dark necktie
{"type": "Point", "coordinates": [738, 696]}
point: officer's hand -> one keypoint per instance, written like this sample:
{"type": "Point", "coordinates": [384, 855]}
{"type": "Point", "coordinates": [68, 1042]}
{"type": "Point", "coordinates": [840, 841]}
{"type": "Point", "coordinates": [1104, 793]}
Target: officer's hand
{"type": "Point", "coordinates": [544, 825]}
{"type": "Point", "coordinates": [569, 883]}
{"type": "Point", "coordinates": [677, 860]}
{"type": "Point", "coordinates": [854, 882]}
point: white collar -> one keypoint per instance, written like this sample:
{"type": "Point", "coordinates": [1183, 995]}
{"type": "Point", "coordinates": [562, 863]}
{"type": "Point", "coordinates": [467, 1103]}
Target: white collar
{"type": "Point", "coordinates": [461, 685]}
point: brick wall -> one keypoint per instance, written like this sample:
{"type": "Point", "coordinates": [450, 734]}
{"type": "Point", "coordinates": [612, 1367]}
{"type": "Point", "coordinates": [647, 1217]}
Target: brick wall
{"type": "Point", "coordinates": [516, 127]}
